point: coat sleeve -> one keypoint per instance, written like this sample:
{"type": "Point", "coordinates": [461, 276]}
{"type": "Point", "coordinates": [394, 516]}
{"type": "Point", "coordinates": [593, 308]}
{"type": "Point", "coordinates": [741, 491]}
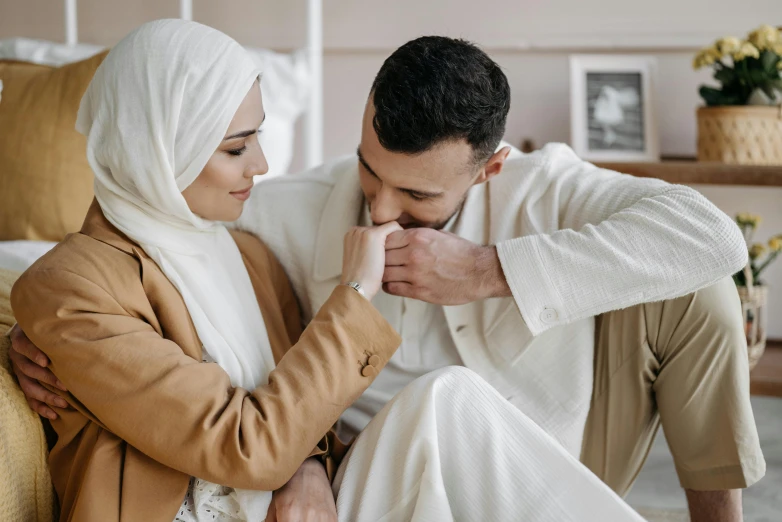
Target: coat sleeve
{"type": "Point", "coordinates": [123, 375]}
{"type": "Point", "coordinates": [621, 241]}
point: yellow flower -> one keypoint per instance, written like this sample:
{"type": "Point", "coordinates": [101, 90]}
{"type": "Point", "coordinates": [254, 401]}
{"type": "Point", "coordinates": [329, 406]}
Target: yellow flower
{"type": "Point", "coordinates": [727, 46]}
{"type": "Point", "coordinates": [747, 219]}
{"type": "Point", "coordinates": [746, 50]}
{"type": "Point", "coordinates": [756, 250]}
{"type": "Point", "coordinates": [705, 57]}
{"type": "Point", "coordinates": [775, 244]}
{"type": "Point", "coordinates": [765, 37]}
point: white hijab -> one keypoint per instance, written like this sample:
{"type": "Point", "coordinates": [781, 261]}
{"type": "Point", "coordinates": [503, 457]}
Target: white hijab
{"type": "Point", "coordinates": [156, 110]}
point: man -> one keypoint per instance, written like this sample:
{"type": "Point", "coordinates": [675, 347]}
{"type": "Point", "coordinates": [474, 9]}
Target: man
{"type": "Point", "coordinates": [596, 303]}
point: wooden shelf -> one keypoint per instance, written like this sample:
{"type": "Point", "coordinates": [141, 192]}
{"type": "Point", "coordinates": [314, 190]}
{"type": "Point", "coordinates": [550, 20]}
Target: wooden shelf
{"type": "Point", "coordinates": [688, 172]}
{"type": "Point", "coordinates": [766, 378]}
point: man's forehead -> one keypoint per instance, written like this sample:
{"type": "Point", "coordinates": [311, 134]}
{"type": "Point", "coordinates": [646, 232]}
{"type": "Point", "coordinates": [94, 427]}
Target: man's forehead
{"type": "Point", "coordinates": [435, 166]}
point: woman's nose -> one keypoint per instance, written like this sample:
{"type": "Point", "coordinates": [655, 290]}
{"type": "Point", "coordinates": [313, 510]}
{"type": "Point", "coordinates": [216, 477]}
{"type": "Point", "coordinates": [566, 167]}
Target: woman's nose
{"type": "Point", "coordinates": [260, 166]}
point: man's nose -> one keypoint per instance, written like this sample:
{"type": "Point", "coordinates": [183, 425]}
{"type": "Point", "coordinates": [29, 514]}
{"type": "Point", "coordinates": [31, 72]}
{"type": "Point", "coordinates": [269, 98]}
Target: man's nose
{"type": "Point", "coordinates": [384, 208]}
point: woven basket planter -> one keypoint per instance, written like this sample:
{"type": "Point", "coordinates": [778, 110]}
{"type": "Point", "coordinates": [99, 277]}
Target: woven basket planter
{"type": "Point", "coordinates": [753, 308]}
{"type": "Point", "coordinates": [740, 135]}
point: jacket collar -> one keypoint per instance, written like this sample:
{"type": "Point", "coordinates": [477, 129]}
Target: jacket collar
{"type": "Point", "coordinates": [98, 227]}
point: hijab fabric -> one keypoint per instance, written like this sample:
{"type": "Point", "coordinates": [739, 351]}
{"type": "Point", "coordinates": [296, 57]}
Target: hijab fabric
{"type": "Point", "coordinates": [156, 110]}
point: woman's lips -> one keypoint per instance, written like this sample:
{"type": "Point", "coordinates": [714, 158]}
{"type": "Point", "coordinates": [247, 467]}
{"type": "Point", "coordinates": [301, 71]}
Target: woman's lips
{"type": "Point", "coordinates": [242, 195]}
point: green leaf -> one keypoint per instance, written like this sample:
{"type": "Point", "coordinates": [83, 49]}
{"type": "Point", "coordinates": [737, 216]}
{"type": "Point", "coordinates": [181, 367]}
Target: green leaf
{"type": "Point", "coordinates": [710, 95]}
{"type": "Point", "coordinates": [758, 77]}
{"type": "Point", "coordinates": [767, 89]}
{"type": "Point", "coordinates": [725, 76]}
{"type": "Point", "coordinates": [769, 61]}
{"type": "Point", "coordinates": [715, 97]}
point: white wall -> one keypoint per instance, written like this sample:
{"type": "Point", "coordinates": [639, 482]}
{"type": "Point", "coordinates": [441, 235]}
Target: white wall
{"type": "Point", "coordinates": [531, 39]}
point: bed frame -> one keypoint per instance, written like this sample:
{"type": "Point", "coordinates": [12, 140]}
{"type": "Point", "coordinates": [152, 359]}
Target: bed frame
{"type": "Point", "coordinates": [313, 123]}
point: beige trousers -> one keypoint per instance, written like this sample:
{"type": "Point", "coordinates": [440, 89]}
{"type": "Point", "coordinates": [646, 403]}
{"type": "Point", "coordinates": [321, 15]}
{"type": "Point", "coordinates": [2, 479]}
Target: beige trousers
{"type": "Point", "coordinates": [682, 363]}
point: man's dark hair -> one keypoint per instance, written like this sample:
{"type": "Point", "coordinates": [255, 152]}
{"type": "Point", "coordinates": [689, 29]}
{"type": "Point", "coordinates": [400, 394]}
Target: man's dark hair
{"type": "Point", "coordinates": [434, 89]}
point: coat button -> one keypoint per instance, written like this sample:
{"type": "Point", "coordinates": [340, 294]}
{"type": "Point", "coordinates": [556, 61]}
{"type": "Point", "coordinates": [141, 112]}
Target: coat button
{"type": "Point", "coordinates": [549, 315]}
{"type": "Point", "coordinates": [369, 371]}
{"type": "Point", "coordinates": [374, 360]}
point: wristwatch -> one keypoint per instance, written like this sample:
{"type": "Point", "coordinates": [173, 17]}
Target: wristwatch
{"type": "Point", "coordinates": [357, 287]}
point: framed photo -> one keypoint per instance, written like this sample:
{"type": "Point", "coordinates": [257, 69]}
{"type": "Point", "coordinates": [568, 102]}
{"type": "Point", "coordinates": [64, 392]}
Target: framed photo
{"type": "Point", "coordinates": [612, 110]}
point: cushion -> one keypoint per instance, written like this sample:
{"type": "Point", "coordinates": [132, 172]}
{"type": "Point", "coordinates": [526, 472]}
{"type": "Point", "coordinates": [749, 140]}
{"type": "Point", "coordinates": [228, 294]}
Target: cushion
{"type": "Point", "coordinates": [45, 179]}
{"type": "Point", "coordinates": [53, 54]}
{"type": "Point", "coordinates": [285, 86]}
{"type": "Point", "coordinates": [26, 491]}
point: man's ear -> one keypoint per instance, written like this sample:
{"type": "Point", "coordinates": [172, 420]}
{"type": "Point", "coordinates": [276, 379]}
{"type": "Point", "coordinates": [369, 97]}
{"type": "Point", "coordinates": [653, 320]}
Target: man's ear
{"type": "Point", "coordinates": [493, 166]}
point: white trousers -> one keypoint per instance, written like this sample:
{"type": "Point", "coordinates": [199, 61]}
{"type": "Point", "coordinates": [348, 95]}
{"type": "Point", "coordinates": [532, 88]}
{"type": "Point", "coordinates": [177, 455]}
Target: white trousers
{"type": "Point", "coordinates": [449, 447]}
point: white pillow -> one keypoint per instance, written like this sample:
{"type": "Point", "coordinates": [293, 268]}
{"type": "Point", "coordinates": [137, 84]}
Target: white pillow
{"type": "Point", "coordinates": [45, 53]}
{"type": "Point", "coordinates": [19, 255]}
{"type": "Point", "coordinates": [285, 85]}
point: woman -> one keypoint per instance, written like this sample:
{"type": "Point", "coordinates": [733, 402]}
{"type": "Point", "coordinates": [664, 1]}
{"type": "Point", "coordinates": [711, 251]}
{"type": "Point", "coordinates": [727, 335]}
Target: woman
{"type": "Point", "coordinates": [123, 309]}
{"type": "Point", "coordinates": [128, 308]}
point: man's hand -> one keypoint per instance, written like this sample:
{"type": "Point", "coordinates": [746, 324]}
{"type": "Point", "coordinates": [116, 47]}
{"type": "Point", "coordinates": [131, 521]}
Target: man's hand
{"type": "Point", "coordinates": [307, 497]}
{"type": "Point", "coordinates": [30, 366]}
{"type": "Point", "coordinates": [441, 268]}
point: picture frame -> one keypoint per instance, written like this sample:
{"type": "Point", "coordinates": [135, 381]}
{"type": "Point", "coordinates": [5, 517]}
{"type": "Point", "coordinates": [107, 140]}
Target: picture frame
{"type": "Point", "coordinates": [612, 107]}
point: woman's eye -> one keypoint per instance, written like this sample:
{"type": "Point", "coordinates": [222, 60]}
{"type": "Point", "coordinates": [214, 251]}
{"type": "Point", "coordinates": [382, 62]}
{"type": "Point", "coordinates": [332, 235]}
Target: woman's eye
{"type": "Point", "coordinates": [236, 152]}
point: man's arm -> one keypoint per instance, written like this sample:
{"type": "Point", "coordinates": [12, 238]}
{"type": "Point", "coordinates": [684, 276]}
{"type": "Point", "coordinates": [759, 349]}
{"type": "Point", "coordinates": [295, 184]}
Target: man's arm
{"type": "Point", "coordinates": [621, 241]}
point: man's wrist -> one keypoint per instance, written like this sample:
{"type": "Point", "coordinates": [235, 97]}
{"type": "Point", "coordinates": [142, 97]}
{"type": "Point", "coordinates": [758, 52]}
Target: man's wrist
{"type": "Point", "coordinates": [491, 280]}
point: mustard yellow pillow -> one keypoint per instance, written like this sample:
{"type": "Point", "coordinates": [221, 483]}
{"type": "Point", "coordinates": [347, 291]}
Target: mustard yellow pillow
{"type": "Point", "coordinates": [26, 491]}
{"type": "Point", "coordinates": [45, 180]}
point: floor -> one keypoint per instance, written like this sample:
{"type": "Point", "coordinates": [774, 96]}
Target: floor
{"type": "Point", "coordinates": [657, 495]}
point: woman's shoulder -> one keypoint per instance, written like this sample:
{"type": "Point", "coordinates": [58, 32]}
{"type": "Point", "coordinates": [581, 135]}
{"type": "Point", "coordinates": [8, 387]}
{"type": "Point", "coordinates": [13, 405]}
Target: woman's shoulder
{"type": "Point", "coordinates": [81, 259]}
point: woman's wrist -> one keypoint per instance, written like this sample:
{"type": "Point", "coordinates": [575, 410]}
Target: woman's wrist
{"type": "Point", "coordinates": [356, 286]}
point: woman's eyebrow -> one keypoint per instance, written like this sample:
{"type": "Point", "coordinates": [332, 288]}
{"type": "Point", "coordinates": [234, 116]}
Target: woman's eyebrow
{"type": "Point", "coordinates": [244, 134]}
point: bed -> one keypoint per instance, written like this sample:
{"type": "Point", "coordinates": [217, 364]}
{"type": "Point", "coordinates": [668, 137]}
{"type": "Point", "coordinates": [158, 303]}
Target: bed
{"type": "Point", "coordinates": [292, 88]}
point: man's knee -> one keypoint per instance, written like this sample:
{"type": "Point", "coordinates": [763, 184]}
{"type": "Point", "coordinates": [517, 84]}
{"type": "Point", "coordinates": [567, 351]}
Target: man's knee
{"type": "Point", "coordinates": [710, 317]}
{"type": "Point", "coordinates": [449, 378]}
{"type": "Point", "coordinates": [718, 308]}
{"type": "Point", "coordinates": [721, 303]}
{"type": "Point", "coordinates": [449, 375]}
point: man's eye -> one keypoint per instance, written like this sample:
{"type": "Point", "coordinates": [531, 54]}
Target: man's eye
{"type": "Point", "coordinates": [417, 197]}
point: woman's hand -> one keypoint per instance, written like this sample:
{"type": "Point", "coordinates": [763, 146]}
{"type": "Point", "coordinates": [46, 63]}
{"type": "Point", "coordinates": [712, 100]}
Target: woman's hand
{"type": "Point", "coordinates": [307, 497]}
{"type": "Point", "coordinates": [364, 258]}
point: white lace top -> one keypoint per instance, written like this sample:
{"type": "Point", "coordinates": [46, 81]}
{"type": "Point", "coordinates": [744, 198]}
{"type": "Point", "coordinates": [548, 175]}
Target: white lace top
{"type": "Point", "coordinates": [207, 502]}
{"type": "Point", "coordinates": [204, 503]}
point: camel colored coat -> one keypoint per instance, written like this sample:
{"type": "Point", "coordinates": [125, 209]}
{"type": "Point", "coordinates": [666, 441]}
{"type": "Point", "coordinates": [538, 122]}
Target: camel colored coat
{"type": "Point", "coordinates": [147, 414]}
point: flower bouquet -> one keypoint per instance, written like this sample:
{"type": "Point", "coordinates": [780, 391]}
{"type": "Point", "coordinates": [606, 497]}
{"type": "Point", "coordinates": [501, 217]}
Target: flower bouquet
{"type": "Point", "coordinates": [752, 292]}
{"type": "Point", "coordinates": [742, 119]}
